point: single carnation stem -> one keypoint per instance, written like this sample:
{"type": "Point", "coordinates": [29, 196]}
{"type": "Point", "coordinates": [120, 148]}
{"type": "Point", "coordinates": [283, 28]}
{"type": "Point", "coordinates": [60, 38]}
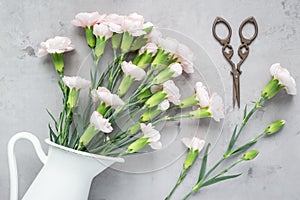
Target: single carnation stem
{"type": "Point", "coordinates": [229, 168]}
{"type": "Point", "coordinates": [228, 154]}
{"type": "Point", "coordinates": [179, 180]}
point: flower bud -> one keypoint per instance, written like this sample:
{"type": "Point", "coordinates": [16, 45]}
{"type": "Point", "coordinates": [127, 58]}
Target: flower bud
{"type": "Point", "coordinates": [90, 37]}
{"type": "Point", "coordinates": [250, 155]}
{"type": "Point", "coordinates": [200, 113]}
{"type": "Point", "coordinates": [155, 99]}
{"type": "Point", "coordinates": [190, 158]}
{"type": "Point", "coordinates": [274, 127]}
{"type": "Point", "coordinates": [58, 62]}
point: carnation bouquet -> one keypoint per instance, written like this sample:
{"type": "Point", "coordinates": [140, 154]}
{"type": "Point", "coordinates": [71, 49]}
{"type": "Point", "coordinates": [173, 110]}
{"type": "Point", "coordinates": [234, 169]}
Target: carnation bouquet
{"type": "Point", "coordinates": [138, 91]}
{"type": "Point", "coordinates": [141, 55]}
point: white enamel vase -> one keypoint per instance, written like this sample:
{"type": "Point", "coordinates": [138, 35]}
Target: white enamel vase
{"type": "Point", "coordinates": [67, 174]}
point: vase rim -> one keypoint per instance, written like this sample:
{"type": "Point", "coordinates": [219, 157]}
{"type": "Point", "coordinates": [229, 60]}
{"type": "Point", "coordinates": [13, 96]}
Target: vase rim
{"type": "Point", "coordinates": [115, 159]}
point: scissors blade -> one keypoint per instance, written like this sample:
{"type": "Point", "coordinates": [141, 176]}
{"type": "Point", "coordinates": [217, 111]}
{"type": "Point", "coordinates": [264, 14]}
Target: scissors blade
{"type": "Point", "coordinates": [233, 92]}
{"type": "Point", "coordinates": [236, 87]}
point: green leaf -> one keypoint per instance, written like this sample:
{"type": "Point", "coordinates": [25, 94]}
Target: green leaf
{"type": "Point", "coordinates": [204, 163]}
{"type": "Point", "coordinates": [245, 111]}
{"type": "Point", "coordinates": [219, 179]}
{"type": "Point", "coordinates": [232, 140]}
{"type": "Point", "coordinates": [53, 137]}
{"type": "Point", "coordinates": [74, 139]}
{"type": "Point", "coordinates": [243, 148]}
{"type": "Point", "coordinates": [53, 118]}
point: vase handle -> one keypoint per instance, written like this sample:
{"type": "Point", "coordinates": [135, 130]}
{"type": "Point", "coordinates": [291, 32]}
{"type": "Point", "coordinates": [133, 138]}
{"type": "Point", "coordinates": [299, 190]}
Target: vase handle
{"type": "Point", "coordinates": [12, 159]}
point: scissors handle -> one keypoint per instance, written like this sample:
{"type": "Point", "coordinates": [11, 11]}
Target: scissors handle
{"type": "Point", "coordinates": [222, 41]}
{"type": "Point", "coordinates": [245, 40]}
{"type": "Point", "coordinates": [243, 52]}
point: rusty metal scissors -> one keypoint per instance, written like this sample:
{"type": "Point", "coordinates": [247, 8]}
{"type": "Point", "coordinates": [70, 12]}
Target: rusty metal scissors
{"type": "Point", "coordinates": [243, 51]}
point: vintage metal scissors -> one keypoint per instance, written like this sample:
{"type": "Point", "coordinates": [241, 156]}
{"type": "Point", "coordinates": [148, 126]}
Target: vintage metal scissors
{"type": "Point", "coordinates": [243, 51]}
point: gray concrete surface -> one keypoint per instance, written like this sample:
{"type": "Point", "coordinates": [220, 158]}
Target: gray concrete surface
{"type": "Point", "coordinates": [28, 86]}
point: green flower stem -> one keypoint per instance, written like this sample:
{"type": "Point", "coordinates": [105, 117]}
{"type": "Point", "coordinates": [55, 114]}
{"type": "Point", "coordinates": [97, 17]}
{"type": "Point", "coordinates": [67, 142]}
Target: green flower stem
{"type": "Point", "coordinates": [115, 72]}
{"type": "Point", "coordinates": [213, 168]}
{"type": "Point", "coordinates": [228, 168]}
{"type": "Point", "coordinates": [107, 70]}
{"type": "Point", "coordinates": [68, 122]}
{"type": "Point", "coordinates": [257, 105]}
{"type": "Point", "coordinates": [143, 87]}
{"type": "Point", "coordinates": [201, 183]}
{"type": "Point", "coordinates": [179, 180]}
{"type": "Point", "coordinates": [65, 90]}
{"type": "Point", "coordinates": [123, 138]}
{"type": "Point", "coordinates": [86, 114]}
{"type": "Point", "coordinates": [188, 195]}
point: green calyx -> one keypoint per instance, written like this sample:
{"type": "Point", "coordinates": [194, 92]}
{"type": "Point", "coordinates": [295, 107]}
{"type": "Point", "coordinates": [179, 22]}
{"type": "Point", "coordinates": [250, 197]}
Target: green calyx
{"type": "Point", "coordinates": [73, 98]}
{"type": "Point", "coordinates": [90, 37]}
{"type": "Point", "coordinates": [134, 129]}
{"type": "Point", "coordinates": [116, 40]}
{"type": "Point", "coordinates": [125, 85]}
{"type": "Point", "coordinates": [102, 108]}
{"type": "Point", "coordinates": [137, 145]}
{"type": "Point", "coordinates": [100, 46]}
{"type": "Point", "coordinates": [163, 76]}
{"type": "Point", "coordinates": [148, 29]}
{"type": "Point", "coordinates": [189, 102]}
{"type": "Point", "coordinates": [150, 114]}
{"type": "Point", "coordinates": [274, 127]}
{"type": "Point", "coordinates": [200, 113]}
{"type": "Point", "coordinates": [250, 155]}
{"type": "Point", "coordinates": [58, 62]}
{"type": "Point", "coordinates": [87, 136]}
{"type": "Point", "coordinates": [271, 89]}
{"type": "Point", "coordinates": [144, 95]}
{"type": "Point", "coordinates": [144, 60]}
{"type": "Point", "coordinates": [190, 158]}
{"type": "Point", "coordinates": [138, 42]}
{"type": "Point", "coordinates": [159, 61]}
{"type": "Point", "coordinates": [126, 42]}
{"type": "Point", "coordinates": [155, 99]}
